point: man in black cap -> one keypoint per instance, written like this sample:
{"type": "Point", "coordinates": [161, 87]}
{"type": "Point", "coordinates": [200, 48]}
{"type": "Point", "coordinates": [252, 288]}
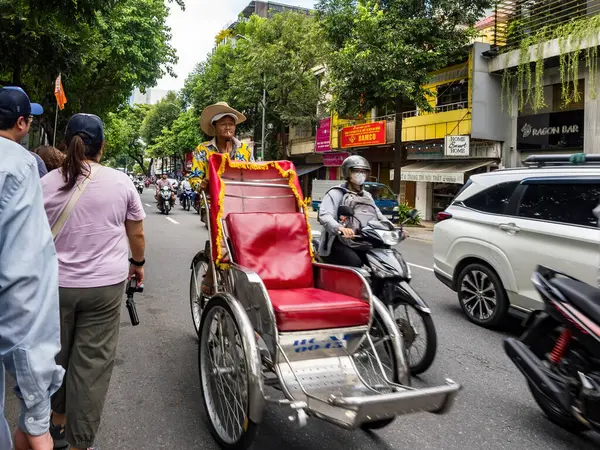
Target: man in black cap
{"type": "Point", "coordinates": [14, 106]}
{"type": "Point", "coordinates": [29, 306]}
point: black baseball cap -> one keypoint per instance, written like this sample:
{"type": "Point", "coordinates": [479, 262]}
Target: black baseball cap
{"type": "Point", "coordinates": [15, 103]}
{"type": "Point", "coordinates": [88, 124]}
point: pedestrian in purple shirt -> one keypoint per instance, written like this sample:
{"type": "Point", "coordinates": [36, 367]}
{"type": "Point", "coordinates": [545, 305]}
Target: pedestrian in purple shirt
{"type": "Point", "coordinates": [96, 217]}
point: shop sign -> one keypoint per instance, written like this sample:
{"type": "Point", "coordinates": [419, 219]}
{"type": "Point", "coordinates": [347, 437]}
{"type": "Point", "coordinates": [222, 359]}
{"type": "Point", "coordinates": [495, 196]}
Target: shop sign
{"type": "Point", "coordinates": [457, 146]}
{"type": "Point", "coordinates": [424, 151]}
{"type": "Point", "coordinates": [550, 131]}
{"type": "Point", "coordinates": [323, 139]}
{"type": "Point", "coordinates": [189, 160]}
{"type": "Point", "coordinates": [334, 159]}
{"type": "Point", "coordinates": [364, 135]}
{"type": "Point", "coordinates": [434, 177]}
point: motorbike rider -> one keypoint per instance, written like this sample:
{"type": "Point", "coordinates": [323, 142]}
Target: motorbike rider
{"type": "Point", "coordinates": [162, 183]}
{"type": "Point", "coordinates": [185, 185]}
{"type": "Point", "coordinates": [333, 248]}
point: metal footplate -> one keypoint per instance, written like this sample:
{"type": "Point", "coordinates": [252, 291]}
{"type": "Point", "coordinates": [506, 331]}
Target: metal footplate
{"type": "Point", "coordinates": [374, 407]}
{"type": "Point", "coordinates": [331, 389]}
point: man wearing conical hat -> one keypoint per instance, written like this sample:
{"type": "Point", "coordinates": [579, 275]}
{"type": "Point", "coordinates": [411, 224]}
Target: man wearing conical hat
{"type": "Point", "coordinates": [218, 120]}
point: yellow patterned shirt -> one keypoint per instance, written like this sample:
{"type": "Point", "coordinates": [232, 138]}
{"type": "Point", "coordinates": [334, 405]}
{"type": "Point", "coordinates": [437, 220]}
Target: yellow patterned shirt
{"type": "Point", "coordinates": [240, 152]}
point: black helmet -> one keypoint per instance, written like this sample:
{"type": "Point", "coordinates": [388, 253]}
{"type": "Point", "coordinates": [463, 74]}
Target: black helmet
{"type": "Point", "coordinates": [354, 162]}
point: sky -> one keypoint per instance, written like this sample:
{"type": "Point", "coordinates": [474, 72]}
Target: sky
{"type": "Point", "coordinates": [194, 31]}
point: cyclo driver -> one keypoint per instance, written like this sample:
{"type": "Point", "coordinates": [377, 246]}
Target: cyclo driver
{"type": "Point", "coordinates": [337, 245]}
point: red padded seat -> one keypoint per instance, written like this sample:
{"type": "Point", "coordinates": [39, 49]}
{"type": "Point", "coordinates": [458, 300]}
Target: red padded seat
{"type": "Point", "coordinates": [314, 309]}
{"type": "Point", "coordinates": [276, 247]}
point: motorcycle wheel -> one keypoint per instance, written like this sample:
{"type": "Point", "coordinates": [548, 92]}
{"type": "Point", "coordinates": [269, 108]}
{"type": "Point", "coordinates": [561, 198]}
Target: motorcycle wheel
{"type": "Point", "coordinates": [404, 315]}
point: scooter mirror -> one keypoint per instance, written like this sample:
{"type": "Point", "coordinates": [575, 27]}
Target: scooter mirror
{"type": "Point", "coordinates": [413, 213]}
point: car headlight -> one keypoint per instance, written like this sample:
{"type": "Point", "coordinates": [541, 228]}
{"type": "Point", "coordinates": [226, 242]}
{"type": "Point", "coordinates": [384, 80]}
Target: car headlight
{"type": "Point", "coordinates": [396, 209]}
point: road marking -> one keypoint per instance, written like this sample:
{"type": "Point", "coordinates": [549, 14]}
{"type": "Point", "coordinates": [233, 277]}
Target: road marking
{"type": "Point", "coordinates": [172, 220]}
{"type": "Point", "coordinates": [150, 206]}
{"type": "Point", "coordinates": [421, 267]}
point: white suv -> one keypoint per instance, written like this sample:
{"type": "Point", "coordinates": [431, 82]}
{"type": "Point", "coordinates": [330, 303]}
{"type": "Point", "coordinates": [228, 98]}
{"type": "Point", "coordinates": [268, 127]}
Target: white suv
{"type": "Point", "coordinates": [502, 224]}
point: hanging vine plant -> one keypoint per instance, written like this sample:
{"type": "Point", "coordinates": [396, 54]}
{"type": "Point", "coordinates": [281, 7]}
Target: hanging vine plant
{"type": "Point", "coordinates": [570, 35]}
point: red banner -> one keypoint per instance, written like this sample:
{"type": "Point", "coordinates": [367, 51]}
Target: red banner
{"type": "Point", "coordinates": [364, 135]}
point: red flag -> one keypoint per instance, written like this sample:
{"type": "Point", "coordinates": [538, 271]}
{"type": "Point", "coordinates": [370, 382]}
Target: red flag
{"type": "Point", "coordinates": [59, 93]}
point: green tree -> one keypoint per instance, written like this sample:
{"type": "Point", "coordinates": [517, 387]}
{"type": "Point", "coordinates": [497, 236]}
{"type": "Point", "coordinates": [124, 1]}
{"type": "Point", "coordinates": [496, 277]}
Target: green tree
{"type": "Point", "coordinates": [383, 50]}
{"type": "Point", "coordinates": [103, 50]}
{"type": "Point", "coordinates": [181, 137]}
{"type": "Point", "coordinates": [123, 135]}
{"type": "Point", "coordinates": [279, 54]}
{"type": "Point", "coordinates": [160, 117]}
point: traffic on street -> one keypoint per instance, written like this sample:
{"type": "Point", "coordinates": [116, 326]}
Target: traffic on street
{"type": "Point", "coordinates": [314, 224]}
{"type": "Point", "coordinates": [155, 401]}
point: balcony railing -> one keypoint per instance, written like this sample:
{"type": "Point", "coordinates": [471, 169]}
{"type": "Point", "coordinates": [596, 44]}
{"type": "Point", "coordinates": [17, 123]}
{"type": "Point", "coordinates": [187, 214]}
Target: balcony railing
{"type": "Point", "coordinates": [515, 20]}
{"type": "Point", "coordinates": [437, 109]}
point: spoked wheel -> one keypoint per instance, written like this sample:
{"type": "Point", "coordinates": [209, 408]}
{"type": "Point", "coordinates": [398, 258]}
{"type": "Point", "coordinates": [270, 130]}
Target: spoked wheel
{"type": "Point", "coordinates": [224, 377]}
{"type": "Point", "coordinates": [370, 363]}
{"type": "Point", "coordinates": [197, 299]}
{"type": "Point", "coordinates": [420, 339]}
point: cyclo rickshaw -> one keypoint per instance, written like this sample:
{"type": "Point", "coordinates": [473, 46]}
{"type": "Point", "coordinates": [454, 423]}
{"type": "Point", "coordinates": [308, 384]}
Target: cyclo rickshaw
{"type": "Point", "coordinates": [313, 331]}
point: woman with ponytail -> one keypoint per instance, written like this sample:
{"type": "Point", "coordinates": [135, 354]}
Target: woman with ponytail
{"type": "Point", "coordinates": [96, 217]}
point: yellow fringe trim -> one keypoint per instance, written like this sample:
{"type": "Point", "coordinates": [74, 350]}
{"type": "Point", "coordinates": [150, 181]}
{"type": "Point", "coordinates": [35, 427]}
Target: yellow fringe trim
{"type": "Point", "coordinates": [290, 175]}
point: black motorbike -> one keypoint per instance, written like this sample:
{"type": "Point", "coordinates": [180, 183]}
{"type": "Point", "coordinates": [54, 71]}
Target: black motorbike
{"type": "Point", "coordinates": [389, 277]}
{"type": "Point", "coordinates": [559, 353]}
{"type": "Point", "coordinates": [139, 185]}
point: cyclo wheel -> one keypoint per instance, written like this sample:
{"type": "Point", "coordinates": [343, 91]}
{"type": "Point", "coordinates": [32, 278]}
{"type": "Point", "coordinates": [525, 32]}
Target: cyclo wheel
{"type": "Point", "coordinates": [224, 377]}
{"type": "Point", "coordinates": [197, 299]}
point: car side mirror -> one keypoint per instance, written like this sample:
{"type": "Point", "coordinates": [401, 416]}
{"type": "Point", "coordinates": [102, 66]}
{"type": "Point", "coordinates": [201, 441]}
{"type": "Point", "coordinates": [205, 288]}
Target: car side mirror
{"type": "Point", "coordinates": [345, 211]}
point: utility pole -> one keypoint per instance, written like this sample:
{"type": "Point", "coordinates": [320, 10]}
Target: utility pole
{"type": "Point", "coordinates": [264, 102]}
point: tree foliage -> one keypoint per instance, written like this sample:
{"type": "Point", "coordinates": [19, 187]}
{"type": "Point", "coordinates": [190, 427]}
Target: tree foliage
{"type": "Point", "coordinates": [104, 49]}
{"type": "Point", "coordinates": [383, 50]}
{"type": "Point", "coordinates": [123, 135]}
{"type": "Point", "coordinates": [181, 137]}
{"type": "Point", "coordinates": [160, 118]}
{"type": "Point", "coordinates": [278, 54]}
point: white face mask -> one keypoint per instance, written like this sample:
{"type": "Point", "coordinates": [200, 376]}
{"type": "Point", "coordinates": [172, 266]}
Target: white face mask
{"type": "Point", "coordinates": [358, 178]}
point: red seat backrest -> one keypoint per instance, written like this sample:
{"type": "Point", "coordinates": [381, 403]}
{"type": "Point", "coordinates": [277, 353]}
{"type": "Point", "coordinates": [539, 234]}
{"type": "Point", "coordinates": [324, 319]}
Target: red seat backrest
{"type": "Point", "coordinates": [274, 245]}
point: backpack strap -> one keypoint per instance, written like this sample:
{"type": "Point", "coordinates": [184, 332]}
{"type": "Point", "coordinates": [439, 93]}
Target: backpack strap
{"type": "Point", "coordinates": [77, 193]}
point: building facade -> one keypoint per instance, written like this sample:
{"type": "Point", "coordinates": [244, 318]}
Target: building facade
{"type": "Point", "coordinates": [557, 43]}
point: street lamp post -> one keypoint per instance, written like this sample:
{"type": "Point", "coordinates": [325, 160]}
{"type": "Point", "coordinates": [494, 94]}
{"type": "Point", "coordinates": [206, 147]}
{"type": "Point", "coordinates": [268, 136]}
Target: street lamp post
{"type": "Point", "coordinates": [264, 106]}
{"type": "Point", "coordinates": [264, 101]}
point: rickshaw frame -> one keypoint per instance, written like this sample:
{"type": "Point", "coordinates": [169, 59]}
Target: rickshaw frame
{"type": "Point", "coordinates": [271, 356]}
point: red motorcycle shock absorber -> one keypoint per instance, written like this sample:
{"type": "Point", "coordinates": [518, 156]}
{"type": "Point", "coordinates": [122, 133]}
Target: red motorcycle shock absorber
{"type": "Point", "coordinates": [561, 346]}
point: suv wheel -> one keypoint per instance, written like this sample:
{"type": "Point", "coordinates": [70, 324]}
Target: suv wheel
{"type": "Point", "coordinates": [481, 295]}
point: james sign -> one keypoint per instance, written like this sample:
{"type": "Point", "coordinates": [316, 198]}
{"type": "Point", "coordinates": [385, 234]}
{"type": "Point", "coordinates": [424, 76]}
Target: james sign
{"type": "Point", "coordinates": [364, 135]}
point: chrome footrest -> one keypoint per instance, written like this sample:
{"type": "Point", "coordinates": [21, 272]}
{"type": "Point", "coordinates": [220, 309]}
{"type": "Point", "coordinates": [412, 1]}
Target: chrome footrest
{"type": "Point", "coordinates": [375, 407]}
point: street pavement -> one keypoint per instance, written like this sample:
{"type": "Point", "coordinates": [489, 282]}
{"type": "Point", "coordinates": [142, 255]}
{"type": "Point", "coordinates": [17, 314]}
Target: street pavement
{"type": "Point", "coordinates": [154, 400]}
